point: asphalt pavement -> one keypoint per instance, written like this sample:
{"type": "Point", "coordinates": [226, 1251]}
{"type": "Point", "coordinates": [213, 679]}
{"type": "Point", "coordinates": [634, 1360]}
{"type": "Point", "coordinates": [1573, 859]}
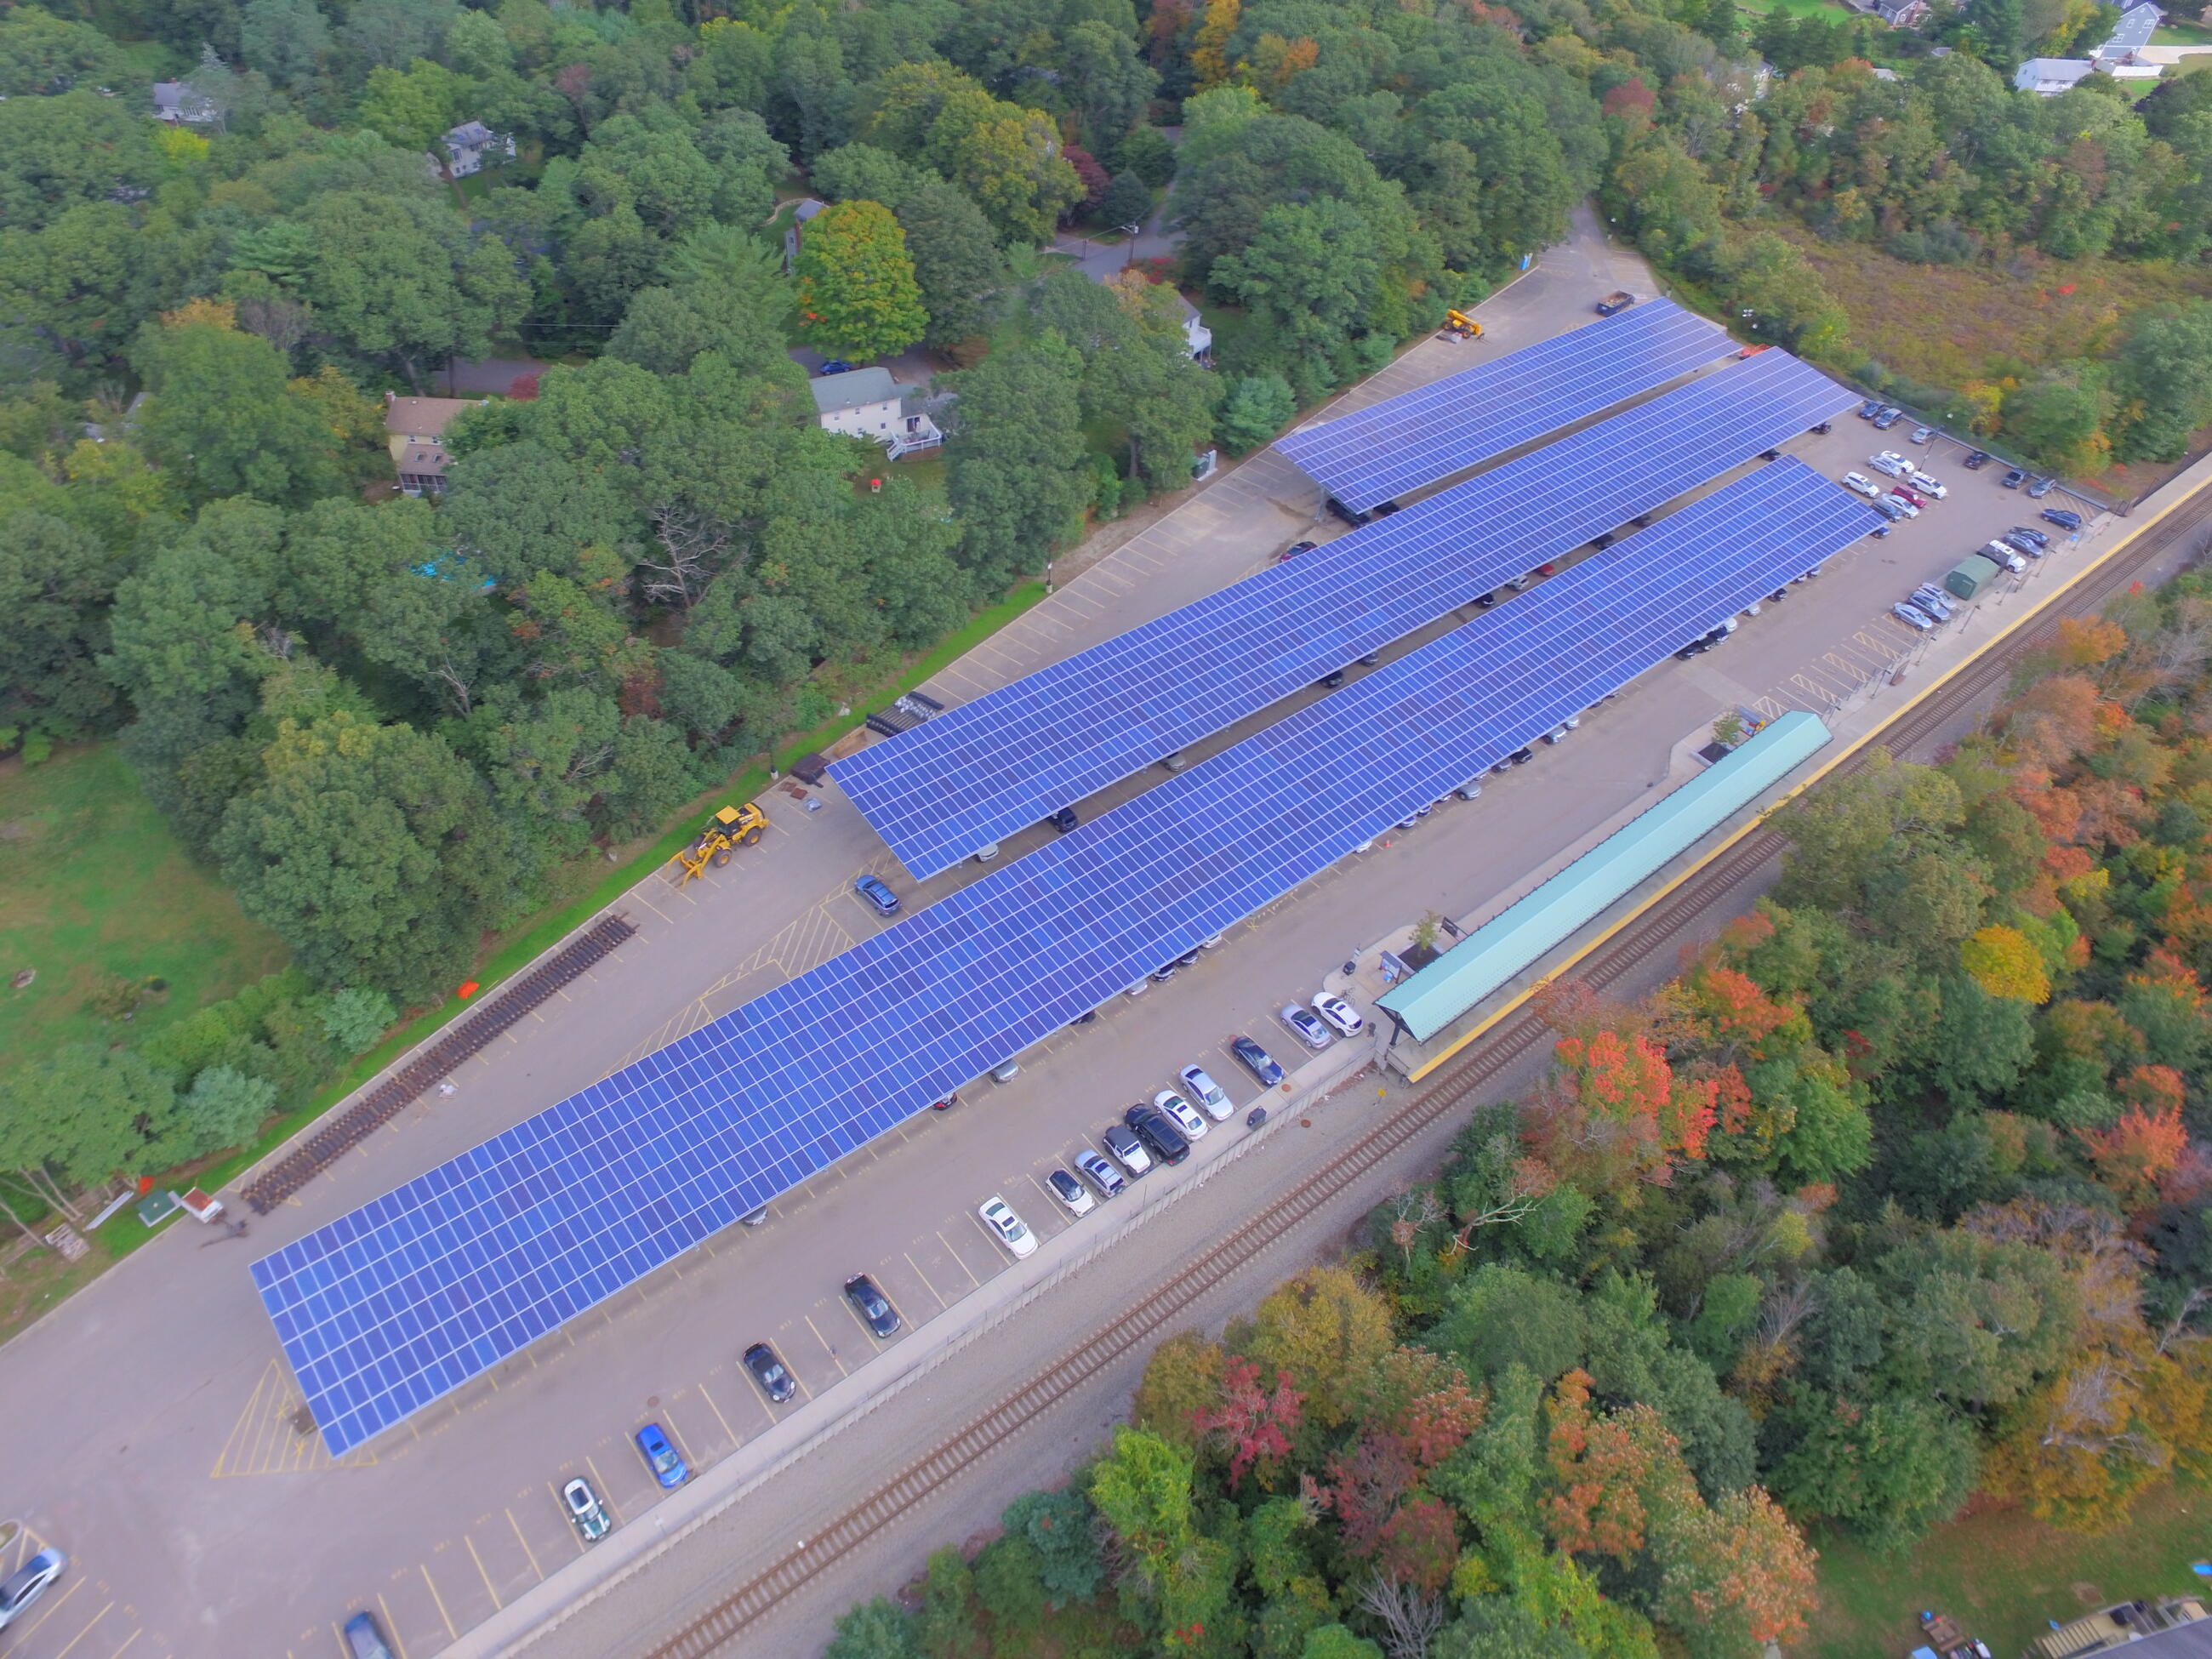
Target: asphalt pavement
{"type": "Point", "coordinates": [154, 1434]}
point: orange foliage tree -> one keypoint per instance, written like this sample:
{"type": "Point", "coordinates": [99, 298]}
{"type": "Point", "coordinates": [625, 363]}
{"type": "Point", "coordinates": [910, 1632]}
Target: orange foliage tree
{"type": "Point", "coordinates": [2003, 963]}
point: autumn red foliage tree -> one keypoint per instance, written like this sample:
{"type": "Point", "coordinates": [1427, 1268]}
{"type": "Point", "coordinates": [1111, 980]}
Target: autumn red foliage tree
{"type": "Point", "coordinates": [1254, 1421]}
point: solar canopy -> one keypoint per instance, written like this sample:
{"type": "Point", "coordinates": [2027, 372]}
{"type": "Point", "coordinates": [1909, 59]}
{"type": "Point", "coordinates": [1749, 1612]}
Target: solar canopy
{"type": "Point", "coordinates": [1379, 453]}
{"type": "Point", "coordinates": [967, 778]}
{"type": "Point", "coordinates": [386, 1309]}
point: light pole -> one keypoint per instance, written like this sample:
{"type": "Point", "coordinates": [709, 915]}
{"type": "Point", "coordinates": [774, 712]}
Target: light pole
{"type": "Point", "coordinates": [1130, 231]}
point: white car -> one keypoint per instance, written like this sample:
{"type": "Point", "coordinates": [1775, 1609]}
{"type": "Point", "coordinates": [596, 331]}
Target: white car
{"type": "Point", "coordinates": [1903, 505]}
{"type": "Point", "coordinates": [1207, 1092]}
{"type": "Point", "coordinates": [1928, 486]}
{"type": "Point", "coordinates": [1339, 1014]}
{"type": "Point", "coordinates": [1009, 1228]}
{"type": "Point", "coordinates": [1912, 616]}
{"type": "Point", "coordinates": [1932, 599]}
{"type": "Point", "coordinates": [1889, 463]}
{"type": "Point", "coordinates": [1100, 1174]}
{"type": "Point", "coordinates": [1921, 434]}
{"type": "Point", "coordinates": [1072, 1195]}
{"type": "Point", "coordinates": [1865, 486]}
{"type": "Point", "coordinates": [1310, 1031]}
{"type": "Point", "coordinates": [1181, 1113]}
{"type": "Point", "coordinates": [1469, 791]}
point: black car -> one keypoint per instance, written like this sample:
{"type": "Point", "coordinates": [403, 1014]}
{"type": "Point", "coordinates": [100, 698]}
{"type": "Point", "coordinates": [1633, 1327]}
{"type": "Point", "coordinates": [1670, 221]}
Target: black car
{"type": "Point", "coordinates": [1388, 509]}
{"type": "Point", "coordinates": [1976, 460]}
{"type": "Point", "coordinates": [776, 1383]}
{"type": "Point", "coordinates": [1160, 1137]}
{"type": "Point", "coordinates": [1603, 541]}
{"type": "Point", "coordinates": [2062, 518]}
{"type": "Point", "coordinates": [2014, 479]}
{"type": "Point", "coordinates": [1338, 510]}
{"type": "Point", "coordinates": [1870, 408]}
{"type": "Point", "coordinates": [1063, 820]}
{"type": "Point", "coordinates": [1484, 601]}
{"type": "Point", "coordinates": [2024, 534]}
{"type": "Point", "coordinates": [876, 1312]}
{"type": "Point", "coordinates": [1331, 680]}
{"type": "Point", "coordinates": [1822, 430]}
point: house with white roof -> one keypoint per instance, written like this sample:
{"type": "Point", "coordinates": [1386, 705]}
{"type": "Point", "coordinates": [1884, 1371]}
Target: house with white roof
{"type": "Point", "coordinates": [469, 144]}
{"type": "Point", "coordinates": [2048, 76]}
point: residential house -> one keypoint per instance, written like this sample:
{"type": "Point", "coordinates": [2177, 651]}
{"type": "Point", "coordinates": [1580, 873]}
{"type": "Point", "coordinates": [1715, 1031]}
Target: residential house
{"type": "Point", "coordinates": [414, 431]}
{"type": "Point", "coordinates": [2133, 32]}
{"type": "Point", "coordinates": [867, 403]}
{"type": "Point", "coordinates": [1899, 14]}
{"type": "Point", "coordinates": [2175, 1628]}
{"type": "Point", "coordinates": [1197, 337]}
{"type": "Point", "coordinates": [468, 144]}
{"type": "Point", "coordinates": [2048, 76]}
{"type": "Point", "coordinates": [178, 105]}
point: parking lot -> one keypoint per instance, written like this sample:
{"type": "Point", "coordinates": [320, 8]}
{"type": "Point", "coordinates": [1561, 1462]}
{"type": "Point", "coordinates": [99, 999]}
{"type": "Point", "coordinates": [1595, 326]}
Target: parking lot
{"type": "Point", "coordinates": [162, 1451]}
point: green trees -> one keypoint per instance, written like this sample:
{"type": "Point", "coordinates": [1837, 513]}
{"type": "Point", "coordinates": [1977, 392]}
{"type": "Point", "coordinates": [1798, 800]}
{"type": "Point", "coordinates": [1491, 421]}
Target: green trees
{"type": "Point", "coordinates": [2162, 379]}
{"type": "Point", "coordinates": [957, 266]}
{"type": "Point", "coordinates": [1252, 410]}
{"type": "Point", "coordinates": [223, 415]}
{"type": "Point", "coordinates": [369, 849]}
{"type": "Point", "coordinates": [857, 295]}
{"type": "Point", "coordinates": [1311, 279]}
{"type": "Point", "coordinates": [1015, 455]}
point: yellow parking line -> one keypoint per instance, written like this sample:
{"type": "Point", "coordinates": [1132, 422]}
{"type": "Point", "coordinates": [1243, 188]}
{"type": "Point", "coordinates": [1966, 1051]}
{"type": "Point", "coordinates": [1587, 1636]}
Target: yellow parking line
{"type": "Point", "coordinates": [824, 1341]}
{"type": "Point", "coordinates": [719, 1418]}
{"type": "Point", "coordinates": [524, 1542]}
{"type": "Point", "coordinates": [972, 1280]}
{"type": "Point", "coordinates": [390, 1626]}
{"type": "Point", "coordinates": [575, 1536]}
{"type": "Point", "coordinates": [86, 1631]}
{"type": "Point", "coordinates": [128, 1640]}
{"type": "Point", "coordinates": [423, 1567]}
{"type": "Point", "coordinates": [924, 1278]}
{"type": "Point", "coordinates": [488, 1588]}
{"type": "Point", "coordinates": [54, 1607]}
{"type": "Point", "coordinates": [599, 1485]}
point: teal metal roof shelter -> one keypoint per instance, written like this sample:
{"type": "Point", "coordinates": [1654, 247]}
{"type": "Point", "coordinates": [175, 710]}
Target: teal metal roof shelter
{"type": "Point", "coordinates": [1489, 957]}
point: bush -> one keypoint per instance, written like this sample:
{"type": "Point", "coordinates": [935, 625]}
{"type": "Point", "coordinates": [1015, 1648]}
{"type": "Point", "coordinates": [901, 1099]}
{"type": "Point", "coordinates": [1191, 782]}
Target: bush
{"type": "Point", "coordinates": [1258, 406]}
{"type": "Point", "coordinates": [355, 1019]}
{"type": "Point", "coordinates": [225, 1107]}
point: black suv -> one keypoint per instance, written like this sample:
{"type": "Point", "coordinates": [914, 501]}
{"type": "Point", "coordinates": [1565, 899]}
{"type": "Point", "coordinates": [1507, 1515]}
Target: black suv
{"type": "Point", "coordinates": [876, 1314]}
{"type": "Point", "coordinates": [1160, 1137]}
{"type": "Point", "coordinates": [1063, 820]}
{"type": "Point", "coordinates": [777, 1383]}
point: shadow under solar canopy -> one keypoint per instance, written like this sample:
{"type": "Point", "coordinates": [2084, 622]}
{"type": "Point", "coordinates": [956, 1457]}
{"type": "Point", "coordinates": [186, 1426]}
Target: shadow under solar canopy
{"type": "Point", "coordinates": [974, 774]}
{"type": "Point", "coordinates": [386, 1309]}
{"type": "Point", "coordinates": [1379, 453]}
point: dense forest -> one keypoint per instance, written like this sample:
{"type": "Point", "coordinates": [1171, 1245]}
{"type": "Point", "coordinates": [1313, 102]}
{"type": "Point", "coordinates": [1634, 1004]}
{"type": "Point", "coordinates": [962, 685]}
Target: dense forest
{"type": "Point", "coordinates": [393, 724]}
{"type": "Point", "coordinates": [1896, 1193]}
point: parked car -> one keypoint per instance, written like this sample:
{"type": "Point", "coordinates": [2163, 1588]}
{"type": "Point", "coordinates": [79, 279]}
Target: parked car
{"type": "Point", "coordinates": [1868, 410]}
{"type": "Point", "coordinates": [874, 1307]}
{"type": "Point", "coordinates": [1921, 434]}
{"type": "Point", "coordinates": [1860, 483]}
{"type": "Point", "coordinates": [1339, 1013]}
{"type": "Point", "coordinates": [2042, 486]}
{"type": "Point", "coordinates": [1127, 1150]}
{"type": "Point", "coordinates": [1912, 616]}
{"type": "Point", "coordinates": [1257, 1060]}
{"type": "Point", "coordinates": [1064, 820]}
{"type": "Point", "coordinates": [1009, 1228]}
{"type": "Point", "coordinates": [1619, 301]}
{"type": "Point", "coordinates": [1199, 1085]}
{"type": "Point", "coordinates": [28, 1583]}
{"type": "Point", "coordinates": [1294, 549]}
{"type": "Point", "coordinates": [1072, 1192]}
{"type": "Point", "coordinates": [661, 1457]}
{"type": "Point", "coordinates": [2064, 518]}
{"type": "Point", "coordinates": [1911, 498]}
{"type": "Point", "coordinates": [1100, 1174]}
{"type": "Point", "coordinates": [584, 1509]}
{"type": "Point", "coordinates": [364, 1637]}
{"type": "Point", "coordinates": [1890, 510]}
{"type": "Point", "coordinates": [1932, 599]}
{"type": "Point", "coordinates": [1889, 463]}
{"type": "Point", "coordinates": [1888, 418]}
{"type": "Point", "coordinates": [1928, 486]}
{"type": "Point", "coordinates": [2005, 555]}
{"type": "Point", "coordinates": [2014, 479]}
{"type": "Point", "coordinates": [1469, 790]}
{"type": "Point", "coordinates": [769, 1374]}
{"type": "Point", "coordinates": [1181, 1113]}
{"type": "Point", "coordinates": [1306, 1024]}
{"type": "Point", "coordinates": [880, 897]}
{"type": "Point", "coordinates": [836, 365]}
{"type": "Point", "coordinates": [2025, 533]}
{"type": "Point", "coordinates": [1904, 504]}
{"type": "Point", "coordinates": [1976, 460]}
{"type": "Point", "coordinates": [1162, 1139]}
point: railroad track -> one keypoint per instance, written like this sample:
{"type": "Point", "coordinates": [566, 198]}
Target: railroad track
{"type": "Point", "coordinates": [1511, 1042]}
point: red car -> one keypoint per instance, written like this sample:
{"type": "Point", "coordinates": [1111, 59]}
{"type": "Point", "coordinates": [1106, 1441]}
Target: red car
{"type": "Point", "coordinates": [1909, 496]}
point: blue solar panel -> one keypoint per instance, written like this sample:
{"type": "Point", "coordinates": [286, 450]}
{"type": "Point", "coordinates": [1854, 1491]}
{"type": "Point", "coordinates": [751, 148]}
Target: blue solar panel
{"type": "Point", "coordinates": [1379, 453]}
{"type": "Point", "coordinates": [974, 774]}
{"type": "Point", "coordinates": [390, 1307]}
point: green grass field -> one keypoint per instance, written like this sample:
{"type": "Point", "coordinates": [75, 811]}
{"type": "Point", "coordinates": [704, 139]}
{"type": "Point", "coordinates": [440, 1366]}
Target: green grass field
{"type": "Point", "coordinates": [2003, 1575]}
{"type": "Point", "coordinates": [92, 885]}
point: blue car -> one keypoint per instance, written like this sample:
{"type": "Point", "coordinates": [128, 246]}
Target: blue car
{"type": "Point", "coordinates": [661, 1457]}
{"type": "Point", "coordinates": [1257, 1061]}
{"type": "Point", "coordinates": [836, 365]}
{"type": "Point", "coordinates": [885, 901]}
{"type": "Point", "coordinates": [2064, 519]}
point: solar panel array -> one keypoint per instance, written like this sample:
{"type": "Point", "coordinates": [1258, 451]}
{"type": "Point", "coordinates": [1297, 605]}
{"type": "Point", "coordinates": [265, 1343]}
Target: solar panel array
{"type": "Point", "coordinates": [1379, 453]}
{"type": "Point", "coordinates": [386, 1309]}
{"type": "Point", "coordinates": [971, 776]}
